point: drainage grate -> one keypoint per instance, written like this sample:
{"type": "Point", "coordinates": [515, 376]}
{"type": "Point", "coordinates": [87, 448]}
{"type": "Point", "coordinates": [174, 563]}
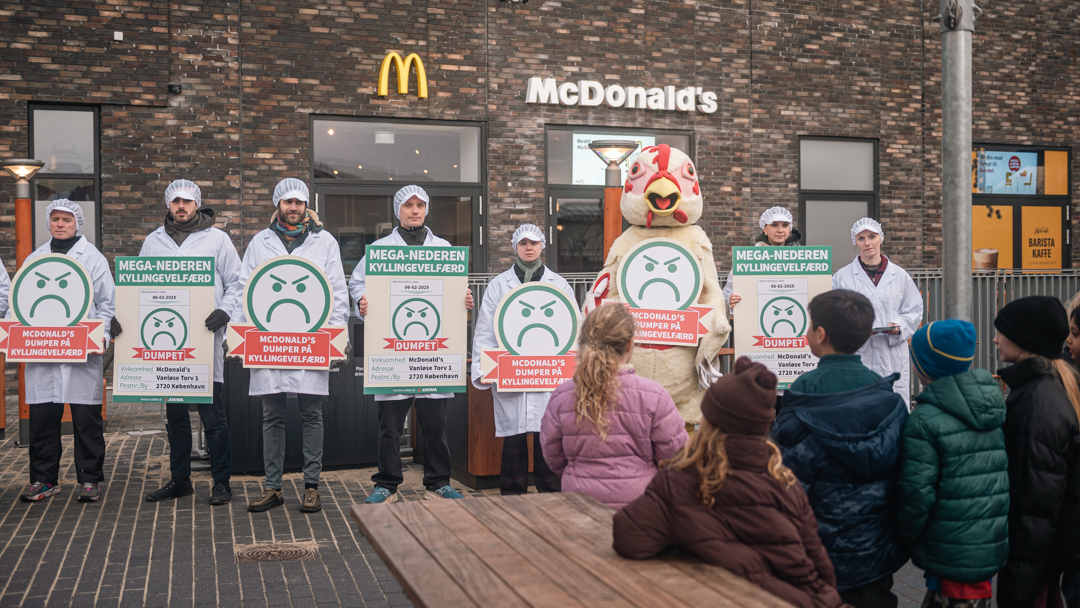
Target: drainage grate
{"type": "Point", "coordinates": [277, 552]}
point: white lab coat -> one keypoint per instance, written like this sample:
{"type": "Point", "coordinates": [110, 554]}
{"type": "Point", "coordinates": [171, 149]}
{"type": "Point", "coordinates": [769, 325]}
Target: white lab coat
{"type": "Point", "coordinates": [356, 289]}
{"type": "Point", "coordinates": [215, 243]}
{"type": "Point", "coordinates": [5, 289]}
{"type": "Point", "coordinates": [321, 248]}
{"type": "Point", "coordinates": [75, 382]}
{"type": "Point", "coordinates": [895, 300]}
{"type": "Point", "coordinates": [515, 413]}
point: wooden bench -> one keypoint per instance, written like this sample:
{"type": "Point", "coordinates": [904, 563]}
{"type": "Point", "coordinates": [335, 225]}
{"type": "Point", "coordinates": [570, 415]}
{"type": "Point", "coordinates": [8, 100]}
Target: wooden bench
{"type": "Point", "coordinates": [538, 550]}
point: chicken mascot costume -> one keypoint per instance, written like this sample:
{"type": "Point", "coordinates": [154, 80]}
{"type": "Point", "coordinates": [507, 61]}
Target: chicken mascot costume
{"type": "Point", "coordinates": [661, 199]}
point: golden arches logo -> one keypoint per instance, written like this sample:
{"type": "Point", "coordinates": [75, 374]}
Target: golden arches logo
{"type": "Point", "coordinates": [403, 69]}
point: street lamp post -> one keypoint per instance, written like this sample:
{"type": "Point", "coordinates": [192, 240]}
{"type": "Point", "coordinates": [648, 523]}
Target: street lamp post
{"type": "Point", "coordinates": [613, 152]}
{"type": "Point", "coordinates": [22, 169]}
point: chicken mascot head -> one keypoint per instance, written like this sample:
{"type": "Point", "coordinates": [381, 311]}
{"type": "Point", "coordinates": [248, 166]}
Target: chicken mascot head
{"type": "Point", "coordinates": [661, 199]}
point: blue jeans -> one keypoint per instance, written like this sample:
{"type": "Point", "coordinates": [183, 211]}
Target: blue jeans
{"type": "Point", "coordinates": [274, 437]}
{"type": "Point", "coordinates": [216, 428]}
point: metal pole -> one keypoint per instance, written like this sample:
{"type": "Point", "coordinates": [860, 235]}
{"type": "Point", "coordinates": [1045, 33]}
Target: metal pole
{"type": "Point", "coordinates": [24, 246]}
{"type": "Point", "coordinates": [957, 22]}
{"type": "Point", "coordinates": [612, 205]}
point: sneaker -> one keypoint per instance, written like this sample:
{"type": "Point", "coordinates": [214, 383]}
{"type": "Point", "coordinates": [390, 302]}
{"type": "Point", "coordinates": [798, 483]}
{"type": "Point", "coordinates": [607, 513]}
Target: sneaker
{"type": "Point", "coordinates": [221, 493]}
{"type": "Point", "coordinates": [446, 491]}
{"type": "Point", "coordinates": [38, 491]}
{"type": "Point", "coordinates": [382, 495]}
{"type": "Point", "coordinates": [177, 487]}
{"type": "Point", "coordinates": [90, 493]}
{"type": "Point", "coordinates": [311, 502]}
{"type": "Point", "coordinates": [270, 498]}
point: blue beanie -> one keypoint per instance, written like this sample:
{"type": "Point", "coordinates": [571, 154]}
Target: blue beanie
{"type": "Point", "coordinates": [943, 348]}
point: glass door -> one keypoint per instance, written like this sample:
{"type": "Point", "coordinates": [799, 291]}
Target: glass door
{"type": "Point", "coordinates": [576, 230]}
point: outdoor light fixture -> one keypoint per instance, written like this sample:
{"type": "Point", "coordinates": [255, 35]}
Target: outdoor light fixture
{"type": "Point", "coordinates": [613, 152]}
{"type": "Point", "coordinates": [22, 169]}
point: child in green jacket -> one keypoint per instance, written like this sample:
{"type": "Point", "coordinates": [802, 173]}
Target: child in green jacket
{"type": "Point", "coordinates": [953, 489]}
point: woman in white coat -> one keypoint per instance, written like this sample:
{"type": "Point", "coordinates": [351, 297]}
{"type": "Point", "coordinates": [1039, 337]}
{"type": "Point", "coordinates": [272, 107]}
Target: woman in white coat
{"type": "Point", "coordinates": [50, 385]}
{"type": "Point", "coordinates": [411, 206]}
{"type": "Point", "coordinates": [517, 414]}
{"type": "Point", "coordinates": [897, 304]}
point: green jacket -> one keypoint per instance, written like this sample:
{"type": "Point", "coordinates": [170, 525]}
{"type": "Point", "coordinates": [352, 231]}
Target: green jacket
{"type": "Point", "coordinates": [953, 489]}
{"type": "Point", "coordinates": [835, 374]}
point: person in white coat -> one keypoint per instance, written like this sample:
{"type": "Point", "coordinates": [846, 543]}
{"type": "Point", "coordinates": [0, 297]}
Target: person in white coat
{"type": "Point", "coordinates": [411, 205]}
{"type": "Point", "coordinates": [517, 413]}
{"type": "Point", "coordinates": [897, 304]}
{"type": "Point", "coordinates": [777, 230]}
{"type": "Point", "coordinates": [50, 385]}
{"type": "Point", "coordinates": [294, 230]}
{"type": "Point", "coordinates": [188, 230]}
{"type": "Point", "coordinates": [5, 289]}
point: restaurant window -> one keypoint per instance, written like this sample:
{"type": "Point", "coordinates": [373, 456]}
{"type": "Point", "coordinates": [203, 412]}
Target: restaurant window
{"type": "Point", "coordinates": [358, 165]}
{"type": "Point", "coordinates": [837, 187]}
{"type": "Point", "coordinates": [65, 138]}
{"type": "Point", "coordinates": [1020, 207]}
{"type": "Point", "coordinates": [575, 191]}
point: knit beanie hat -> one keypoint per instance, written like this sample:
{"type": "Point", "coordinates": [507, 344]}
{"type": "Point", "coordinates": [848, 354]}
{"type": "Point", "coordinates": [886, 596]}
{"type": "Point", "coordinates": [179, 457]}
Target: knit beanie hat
{"type": "Point", "coordinates": [1037, 324]}
{"type": "Point", "coordinates": [943, 348]}
{"type": "Point", "coordinates": [742, 402]}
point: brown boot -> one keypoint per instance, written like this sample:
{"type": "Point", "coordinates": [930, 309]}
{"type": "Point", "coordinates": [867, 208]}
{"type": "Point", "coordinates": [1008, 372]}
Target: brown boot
{"type": "Point", "coordinates": [311, 502]}
{"type": "Point", "coordinates": [270, 498]}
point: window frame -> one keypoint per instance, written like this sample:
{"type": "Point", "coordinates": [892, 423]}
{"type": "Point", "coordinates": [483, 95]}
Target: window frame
{"type": "Point", "coordinates": [872, 197]}
{"type": "Point", "coordinates": [96, 175]}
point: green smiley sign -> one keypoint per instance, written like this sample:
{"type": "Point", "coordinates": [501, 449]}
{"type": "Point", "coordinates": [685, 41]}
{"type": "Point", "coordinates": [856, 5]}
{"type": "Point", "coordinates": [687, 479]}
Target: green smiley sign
{"type": "Point", "coordinates": [660, 273]}
{"type": "Point", "coordinates": [536, 319]}
{"type": "Point", "coordinates": [166, 325]}
{"type": "Point", "coordinates": [416, 315]}
{"type": "Point", "coordinates": [782, 312]}
{"type": "Point", "coordinates": [51, 291]}
{"type": "Point", "coordinates": [288, 294]}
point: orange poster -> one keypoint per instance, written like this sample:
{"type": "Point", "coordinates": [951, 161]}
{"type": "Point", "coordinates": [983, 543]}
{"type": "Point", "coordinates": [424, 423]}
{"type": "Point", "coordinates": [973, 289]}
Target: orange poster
{"type": "Point", "coordinates": [1040, 237]}
{"type": "Point", "coordinates": [992, 236]}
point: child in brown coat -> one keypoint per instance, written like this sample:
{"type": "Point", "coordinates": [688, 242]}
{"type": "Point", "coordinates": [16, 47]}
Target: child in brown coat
{"type": "Point", "coordinates": [727, 498]}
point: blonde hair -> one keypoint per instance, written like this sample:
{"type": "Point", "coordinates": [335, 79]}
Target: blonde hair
{"type": "Point", "coordinates": [705, 452]}
{"type": "Point", "coordinates": [605, 336]}
{"type": "Point", "coordinates": [1068, 377]}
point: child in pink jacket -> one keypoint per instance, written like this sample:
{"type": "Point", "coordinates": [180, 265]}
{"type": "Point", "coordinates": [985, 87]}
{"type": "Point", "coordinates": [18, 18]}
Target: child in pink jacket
{"type": "Point", "coordinates": [606, 429]}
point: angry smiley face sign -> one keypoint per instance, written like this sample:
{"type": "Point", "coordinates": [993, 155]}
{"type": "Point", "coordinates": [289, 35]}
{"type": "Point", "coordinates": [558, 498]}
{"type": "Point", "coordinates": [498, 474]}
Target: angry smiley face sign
{"type": "Point", "coordinates": [660, 274]}
{"type": "Point", "coordinates": [536, 319]}
{"type": "Point", "coordinates": [163, 329]}
{"type": "Point", "coordinates": [288, 294]}
{"type": "Point", "coordinates": [51, 291]}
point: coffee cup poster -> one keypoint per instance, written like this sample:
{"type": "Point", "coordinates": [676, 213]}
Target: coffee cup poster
{"type": "Point", "coordinates": [415, 332]}
{"type": "Point", "coordinates": [165, 353]}
{"type": "Point", "coordinates": [773, 318]}
{"type": "Point", "coordinates": [659, 280]}
{"type": "Point", "coordinates": [536, 327]}
{"type": "Point", "coordinates": [49, 300]}
{"type": "Point", "coordinates": [287, 302]}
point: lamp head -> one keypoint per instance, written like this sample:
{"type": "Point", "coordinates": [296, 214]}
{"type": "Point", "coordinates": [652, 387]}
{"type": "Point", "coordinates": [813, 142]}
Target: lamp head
{"type": "Point", "coordinates": [22, 169]}
{"type": "Point", "coordinates": [613, 151]}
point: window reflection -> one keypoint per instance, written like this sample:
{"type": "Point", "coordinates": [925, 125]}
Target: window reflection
{"type": "Point", "coordinates": [370, 151]}
{"type": "Point", "coordinates": [581, 234]}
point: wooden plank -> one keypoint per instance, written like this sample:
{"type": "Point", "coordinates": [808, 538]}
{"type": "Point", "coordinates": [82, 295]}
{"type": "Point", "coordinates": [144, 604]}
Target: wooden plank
{"type": "Point", "coordinates": [564, 508]}
{"type": "Point", "coordinates": [529, 582]}
{"type": "Point", "coordinates": [601, 562]}
{"type": "Point", "coordinates": [556, 566]}
{"type": "Point", "coordinates": [736, 588]}
{"type": "Point", "coordinates": [422, 578]}
{"type": "Point", "coordinates": [467, 570]}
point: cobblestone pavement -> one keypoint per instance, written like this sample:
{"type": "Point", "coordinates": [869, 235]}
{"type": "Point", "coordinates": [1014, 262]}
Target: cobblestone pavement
{"type": "Point", "coordinates": [126, 551]}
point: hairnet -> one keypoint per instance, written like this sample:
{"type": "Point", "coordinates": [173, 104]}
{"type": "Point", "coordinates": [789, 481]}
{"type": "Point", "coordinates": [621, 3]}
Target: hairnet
{"type": "Point", "coordinates": [66, 206]}
{"type": "Point", "coordinates": [531, 232]}
{"type": "Point", "coordinates": [290, 187]}
{"type": "Point", "coordinates": [866, 223]}
{"type": "Point", "coordinates": [775, 214]}
{"type": "Point", "coordinates": [405, 194]}
{"type": "Point", "coordinates": [184, 189]}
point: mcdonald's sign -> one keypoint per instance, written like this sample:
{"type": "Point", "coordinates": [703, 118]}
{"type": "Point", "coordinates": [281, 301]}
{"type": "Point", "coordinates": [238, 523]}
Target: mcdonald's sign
{"type": "Point", "coordinates": [403, 69]}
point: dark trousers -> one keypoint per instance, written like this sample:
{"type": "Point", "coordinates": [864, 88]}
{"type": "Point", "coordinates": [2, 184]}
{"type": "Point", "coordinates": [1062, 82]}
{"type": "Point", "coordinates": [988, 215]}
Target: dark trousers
{"type": "Point", "coordinates": [45, 446]}
{"type": "Point", "coordinates": [431, 414]}
{"type": "Point", "coordinates": [215, 427]}
{"type": "Point", "coordinates": [877, 594]}
{"type": "Point", "coordinates": [1049, 596]}
{"type": "Point", "coordinates": [514, 470]}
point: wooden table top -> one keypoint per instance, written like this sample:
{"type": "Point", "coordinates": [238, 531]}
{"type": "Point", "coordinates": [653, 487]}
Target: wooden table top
{"type": "Point", "coordinates": [539, 550]}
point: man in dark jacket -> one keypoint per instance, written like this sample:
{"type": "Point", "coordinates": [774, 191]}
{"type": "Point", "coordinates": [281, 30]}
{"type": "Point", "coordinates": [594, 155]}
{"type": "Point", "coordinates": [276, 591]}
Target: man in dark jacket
{"type": "Point", "coordinates": [844, 447]}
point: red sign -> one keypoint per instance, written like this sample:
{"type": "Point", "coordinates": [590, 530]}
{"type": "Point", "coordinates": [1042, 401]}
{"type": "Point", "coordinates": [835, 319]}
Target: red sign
{"type": "Point", "coordinates": [287, 350]}
{"type": "Point", "coordinates": [528, 372]}
{"type": "Point", "coordinates": [674, 327]}
{"type": "Point", "coordinates": [1014, 163]}
{"type": "Point", "coordinates": [146, 354]}
{"type": "Point", "coordinates": [785, 343]}
{"type": "Point", "coordinates": [49, 344]}
{"type": "Point", "coordinates": [415, 345]}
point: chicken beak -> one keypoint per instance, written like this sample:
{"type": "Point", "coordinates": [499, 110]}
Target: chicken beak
{"type": "Point", "coordinates": [663, 197]}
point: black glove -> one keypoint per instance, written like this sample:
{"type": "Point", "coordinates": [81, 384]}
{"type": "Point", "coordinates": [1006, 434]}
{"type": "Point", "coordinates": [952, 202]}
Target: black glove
{"type": "Point", "coordinates": [217, 320]}
{"type": "Point", "coordinates": [114, 328]}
